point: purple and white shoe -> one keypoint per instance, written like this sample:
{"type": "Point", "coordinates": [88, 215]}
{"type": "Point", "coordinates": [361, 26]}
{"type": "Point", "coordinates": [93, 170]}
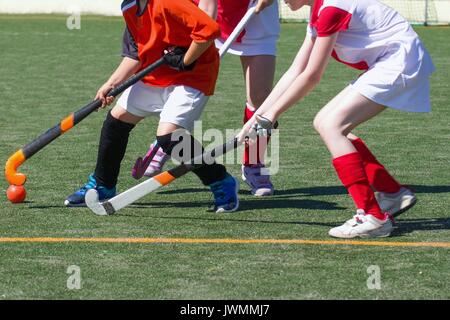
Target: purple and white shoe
{"type": "Point", "coordinates": [260, 183]}
{"type": "Point", "coordinates": [150, 166]}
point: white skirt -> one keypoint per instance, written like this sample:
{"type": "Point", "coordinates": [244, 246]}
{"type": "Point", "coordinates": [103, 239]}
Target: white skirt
{"type": "Point", "coordinates": [399, 81]}
{"type": "Point", "coordinates": [261, 34]}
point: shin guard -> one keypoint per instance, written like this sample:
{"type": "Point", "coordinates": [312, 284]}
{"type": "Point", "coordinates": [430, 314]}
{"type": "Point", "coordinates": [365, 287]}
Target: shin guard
{"type": "Point", "coordinates": [111, 150]}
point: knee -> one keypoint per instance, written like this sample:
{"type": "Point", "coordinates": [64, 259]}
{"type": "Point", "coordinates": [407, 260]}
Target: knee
{"type": "Point", "coordinates": [324, 125]}
{"type": "Point", "coordinates": [180, 145]}
{"type": "Point", "coordinates": [113, 126]}
{"type": "Point", "coordinates": [316, 122]}
{"type": "Point", "coordinates": [327, 127]}
{"type": "Point", "coordinates": [121, 114]}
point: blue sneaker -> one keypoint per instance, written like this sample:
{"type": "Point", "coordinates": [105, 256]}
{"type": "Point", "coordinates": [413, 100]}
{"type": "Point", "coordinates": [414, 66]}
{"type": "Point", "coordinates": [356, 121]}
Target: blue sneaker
{"type": "Point", "coordinates": [76, 199]}
{"type": "Point", "coordinates": [225, 194]}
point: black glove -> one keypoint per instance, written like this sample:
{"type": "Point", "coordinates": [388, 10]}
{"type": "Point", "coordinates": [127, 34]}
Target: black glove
{"type": "Point", "coordinates": [174, 57]}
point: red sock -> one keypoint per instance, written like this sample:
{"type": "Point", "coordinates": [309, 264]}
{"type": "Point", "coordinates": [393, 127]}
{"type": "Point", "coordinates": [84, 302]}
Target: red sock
{"type": "Point", "coordinates": [254, 154]}
{"type": "Point", "coordinates": [350, 170]}
{"type": "Point", "coordinates": [376, 173]}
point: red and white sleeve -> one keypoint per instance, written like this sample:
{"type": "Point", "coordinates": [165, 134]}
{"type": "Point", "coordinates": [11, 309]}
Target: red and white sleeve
{"type": "Point", "coordinates": [332, 20]}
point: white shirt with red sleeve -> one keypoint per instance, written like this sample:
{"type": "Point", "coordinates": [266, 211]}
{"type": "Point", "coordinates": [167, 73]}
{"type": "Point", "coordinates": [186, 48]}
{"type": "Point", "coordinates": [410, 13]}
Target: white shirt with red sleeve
{"type": "Point", "coordinates": [374, 37]}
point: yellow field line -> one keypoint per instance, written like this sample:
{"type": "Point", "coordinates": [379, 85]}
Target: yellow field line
{"type": "Point", "coordinates": [229, 241]}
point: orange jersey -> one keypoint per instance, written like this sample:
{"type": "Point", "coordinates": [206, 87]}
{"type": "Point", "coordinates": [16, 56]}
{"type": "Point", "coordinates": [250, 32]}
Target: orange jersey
{"type": "Point", "coordinates": [165, 23]}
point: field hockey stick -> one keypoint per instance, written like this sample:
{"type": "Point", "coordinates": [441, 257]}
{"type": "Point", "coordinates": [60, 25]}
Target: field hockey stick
{"type": "Point", "coordinates": [20, 156]}
{"type": "Point", "coordinates": [237, 31]}
{"type": "Point", "coordinates": [135, 193]}
{"type": "Point", "coordinates": [142, 164]}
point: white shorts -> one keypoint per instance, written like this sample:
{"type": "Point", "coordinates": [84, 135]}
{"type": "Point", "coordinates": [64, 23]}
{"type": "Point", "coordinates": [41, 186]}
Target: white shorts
{"type": "Point", "coordinates": [261, 34]}
{"type": "Point", "coordinates": [180, 105]}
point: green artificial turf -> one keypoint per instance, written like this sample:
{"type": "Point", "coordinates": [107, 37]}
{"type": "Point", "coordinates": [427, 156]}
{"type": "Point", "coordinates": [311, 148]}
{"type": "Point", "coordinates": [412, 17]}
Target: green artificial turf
{"type": "Point", "coordinates": [48, 71]}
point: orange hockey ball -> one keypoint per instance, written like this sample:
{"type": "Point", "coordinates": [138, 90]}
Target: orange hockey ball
{"type": "Point", "coordinates": [16, 194]}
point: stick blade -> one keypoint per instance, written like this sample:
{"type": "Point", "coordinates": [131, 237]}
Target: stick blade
{"type": "Point", "coordinates": [136, 171]}
{"type": "Point", "coordinates": [93, 203]}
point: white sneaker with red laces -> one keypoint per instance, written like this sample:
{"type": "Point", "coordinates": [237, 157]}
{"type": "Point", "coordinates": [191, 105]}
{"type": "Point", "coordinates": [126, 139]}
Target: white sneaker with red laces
{"type": "Point", "coordinates": [364, 225]}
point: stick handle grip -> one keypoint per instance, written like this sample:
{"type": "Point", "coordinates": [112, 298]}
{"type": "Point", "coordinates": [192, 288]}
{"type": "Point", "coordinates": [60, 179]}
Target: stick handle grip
{"type": "Point", "coordinates": [135, 78]}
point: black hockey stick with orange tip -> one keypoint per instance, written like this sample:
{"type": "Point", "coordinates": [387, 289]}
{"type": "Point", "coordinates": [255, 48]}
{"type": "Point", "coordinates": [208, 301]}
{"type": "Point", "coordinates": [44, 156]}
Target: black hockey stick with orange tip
{"type": "Point", "coordinates": [20, 156]}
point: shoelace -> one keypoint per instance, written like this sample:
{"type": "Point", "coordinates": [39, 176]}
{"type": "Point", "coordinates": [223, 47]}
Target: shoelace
{"type": "Point", "coordinates": [91, 184]}
{"type": "Point", "coordinates": [155, 166]}
{"type": "Point", "coordinates": [357, 218]}
{"type": "Point", "coordinates": [158, 160]}
{"type": "Point", "coordinates": [145, 159]}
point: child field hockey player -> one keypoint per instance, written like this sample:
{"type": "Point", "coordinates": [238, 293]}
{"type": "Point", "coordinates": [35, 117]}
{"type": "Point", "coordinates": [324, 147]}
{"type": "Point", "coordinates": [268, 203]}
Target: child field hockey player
{"type": "Point", "coordinates": [175, 92]}
{"type": "Point", "coordinates": [256, 47]}
{"type": "Point", "coordinates": [372, 37]}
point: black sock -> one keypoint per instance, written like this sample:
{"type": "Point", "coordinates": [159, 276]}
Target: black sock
{"type": "Point", "coordinates": [210, 173]}
{"type": "Point", "coordinates": [207, 173]}
{"type": "Point", "coordinates": [111, 150]}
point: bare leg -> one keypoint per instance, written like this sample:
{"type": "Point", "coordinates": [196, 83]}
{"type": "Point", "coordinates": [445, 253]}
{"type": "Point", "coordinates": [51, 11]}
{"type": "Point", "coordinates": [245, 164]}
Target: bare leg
{"type": "Point", "coordinates": [166, 128]}
{"type": "Point", "coordinates": [121, 114]}
{"type": "Point", "coordinates": [338, 118]}
{"type": "Point", "coordinates": [259, 75]}
{"type": "Point", "coordinates": [334, 124]}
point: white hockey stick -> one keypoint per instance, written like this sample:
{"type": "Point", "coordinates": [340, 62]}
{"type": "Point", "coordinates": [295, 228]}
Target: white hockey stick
{"type": "Point", "coordinates": [129, 196]}
{"type": "Point", "coordinates": [237, 31]}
